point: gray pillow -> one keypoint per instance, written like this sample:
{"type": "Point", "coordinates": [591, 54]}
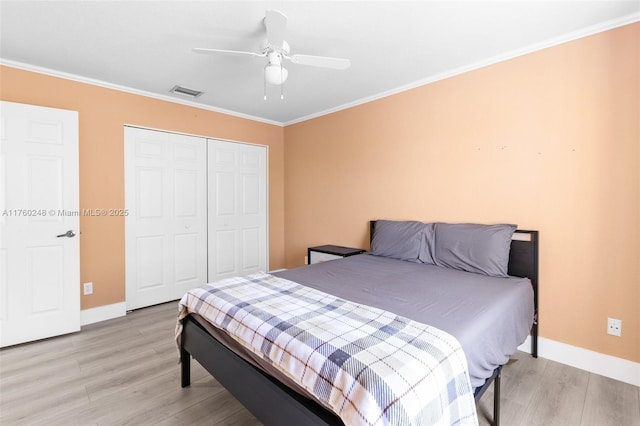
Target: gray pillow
{"type": "Point", "coordinates": [476, 248]}
{"type": "Point", "coordinates": [398, 239]}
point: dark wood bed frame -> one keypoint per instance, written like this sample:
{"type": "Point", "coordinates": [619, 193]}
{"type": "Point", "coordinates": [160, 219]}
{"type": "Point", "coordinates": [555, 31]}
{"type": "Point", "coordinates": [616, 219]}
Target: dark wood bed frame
{"type": "Point", "coordinates": [273, 403]}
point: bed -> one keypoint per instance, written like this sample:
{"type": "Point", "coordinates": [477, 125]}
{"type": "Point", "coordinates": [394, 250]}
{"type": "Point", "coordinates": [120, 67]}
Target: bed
{"type": "Point", "coordinates": [364, 278]}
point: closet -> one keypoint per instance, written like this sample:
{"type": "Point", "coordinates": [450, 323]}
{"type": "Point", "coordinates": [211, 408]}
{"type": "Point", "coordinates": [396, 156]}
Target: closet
{"type": "Point", "coordinates": [196, 212]}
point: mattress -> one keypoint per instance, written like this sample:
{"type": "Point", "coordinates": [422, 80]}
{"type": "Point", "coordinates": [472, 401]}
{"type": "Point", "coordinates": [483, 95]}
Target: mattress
{"type": "Point", "coordinates": [489, 316]}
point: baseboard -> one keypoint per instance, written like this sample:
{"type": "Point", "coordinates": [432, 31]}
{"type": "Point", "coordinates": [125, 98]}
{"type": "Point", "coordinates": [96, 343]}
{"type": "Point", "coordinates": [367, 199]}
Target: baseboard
{"type": "Point", "coordinates": [584, 359]}
{"type": "Point", "coordinates": [102, 313]}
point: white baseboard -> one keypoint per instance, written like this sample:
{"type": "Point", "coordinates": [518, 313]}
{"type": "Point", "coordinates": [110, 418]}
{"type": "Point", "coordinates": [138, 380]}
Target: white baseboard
{"type": "Point", "coordinates": [103, 313]}
{"type": "Point", "coordinates": [584, 359]}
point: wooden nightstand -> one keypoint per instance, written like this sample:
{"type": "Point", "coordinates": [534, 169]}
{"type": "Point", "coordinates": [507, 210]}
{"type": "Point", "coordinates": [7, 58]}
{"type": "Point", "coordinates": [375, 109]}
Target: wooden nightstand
{"type": "Point", "coordinates": [323, 253]}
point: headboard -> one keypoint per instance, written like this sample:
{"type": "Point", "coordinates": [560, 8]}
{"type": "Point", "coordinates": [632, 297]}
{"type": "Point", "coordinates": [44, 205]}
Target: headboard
{"type": "Point", "coordinates": [523, 262]}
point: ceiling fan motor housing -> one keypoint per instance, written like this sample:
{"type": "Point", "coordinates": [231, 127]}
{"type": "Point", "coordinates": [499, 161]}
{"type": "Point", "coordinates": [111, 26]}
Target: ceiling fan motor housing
{"type": "Point", "coordinates": [267, 47]}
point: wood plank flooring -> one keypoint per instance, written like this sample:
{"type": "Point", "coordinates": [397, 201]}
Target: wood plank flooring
{"type": "Point", "coordinates": [125, 371]}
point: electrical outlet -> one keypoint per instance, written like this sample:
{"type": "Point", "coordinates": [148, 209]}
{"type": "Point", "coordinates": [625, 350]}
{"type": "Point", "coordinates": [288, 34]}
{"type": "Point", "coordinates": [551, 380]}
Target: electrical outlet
{"type": "Point", "coordinates": [88, 288]}
{"type": "Point", "coordinates": [306, 260]}
{"type": "Point", "coordinates": [614, 327]}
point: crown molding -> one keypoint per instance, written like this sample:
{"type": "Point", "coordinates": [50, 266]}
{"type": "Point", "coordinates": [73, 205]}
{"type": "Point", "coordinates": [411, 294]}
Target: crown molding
{"type": "Point", "coordinates": [565, 38]}
{"type": "Point", "coordinates": [585, 32]}
{"type": "Point", "coordinates": [131, 90]}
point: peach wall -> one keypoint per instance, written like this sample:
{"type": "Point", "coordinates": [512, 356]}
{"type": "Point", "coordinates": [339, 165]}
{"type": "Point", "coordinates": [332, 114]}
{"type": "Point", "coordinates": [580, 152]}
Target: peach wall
{"type": "Point", "coordinates": [549, 141]}
{"type": "Point", "coordinates": [103, 113]}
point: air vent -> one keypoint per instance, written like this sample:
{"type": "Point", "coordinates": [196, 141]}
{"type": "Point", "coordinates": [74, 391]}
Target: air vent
{"type": "Point", "coordinates": [186, 92]}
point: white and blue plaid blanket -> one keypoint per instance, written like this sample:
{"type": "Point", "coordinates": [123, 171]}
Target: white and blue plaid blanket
{"type": "Point", "coordinates": [370, 366]}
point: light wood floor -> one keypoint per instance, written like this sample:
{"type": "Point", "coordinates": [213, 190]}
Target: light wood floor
{"type": "Point", "coordinates": [125, 371]}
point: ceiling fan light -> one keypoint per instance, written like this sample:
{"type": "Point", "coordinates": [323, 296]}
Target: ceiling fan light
{"type": "Point", "coordinates": [275, 74]}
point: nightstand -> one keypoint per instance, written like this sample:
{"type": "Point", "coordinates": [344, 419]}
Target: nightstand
{"type": "Point", "coordinates": [323, 253]}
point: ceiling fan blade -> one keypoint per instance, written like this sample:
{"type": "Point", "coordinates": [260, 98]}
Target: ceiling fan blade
{"type": "Point", "coordinates": [206, 51]}
{"type": "Point", "coordinates": [276, 25]}
{"type": "Point", "coordinates": [321, 61]}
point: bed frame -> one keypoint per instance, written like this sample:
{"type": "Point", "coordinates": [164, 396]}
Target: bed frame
{"type": "Point", "coordinates": [273, 403]}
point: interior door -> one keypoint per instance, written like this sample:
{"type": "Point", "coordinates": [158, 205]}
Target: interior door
{"type": "Point", "coordinates": [237, 209]}
{"type": "Point", "coordinates": [39, 223]}
{"type": "Point", "coordinates": [166, 225]}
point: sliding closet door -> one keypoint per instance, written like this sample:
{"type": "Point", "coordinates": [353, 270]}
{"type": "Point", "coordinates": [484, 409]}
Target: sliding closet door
{"type": "Point", "coordinates": [166, 226]}
{"type": "Point", "coordinates": [237, 209]}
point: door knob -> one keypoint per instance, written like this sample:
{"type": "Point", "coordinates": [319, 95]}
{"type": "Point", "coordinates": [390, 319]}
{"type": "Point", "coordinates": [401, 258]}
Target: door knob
{"type": "Point", "coordinates": [68, 234]}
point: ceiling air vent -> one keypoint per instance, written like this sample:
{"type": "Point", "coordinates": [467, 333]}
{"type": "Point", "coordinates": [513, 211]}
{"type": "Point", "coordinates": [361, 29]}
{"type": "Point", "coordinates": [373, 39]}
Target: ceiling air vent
{"type": "Point", "coordinates": [186, 92]}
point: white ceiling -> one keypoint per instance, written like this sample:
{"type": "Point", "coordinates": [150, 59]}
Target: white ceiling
{"type": "Point", "coordinates": [145, 46]}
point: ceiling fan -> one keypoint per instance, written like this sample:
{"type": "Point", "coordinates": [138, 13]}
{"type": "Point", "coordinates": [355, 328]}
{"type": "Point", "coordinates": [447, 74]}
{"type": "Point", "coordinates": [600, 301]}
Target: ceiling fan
{"type": "Point", "coordinates": [276, 49]}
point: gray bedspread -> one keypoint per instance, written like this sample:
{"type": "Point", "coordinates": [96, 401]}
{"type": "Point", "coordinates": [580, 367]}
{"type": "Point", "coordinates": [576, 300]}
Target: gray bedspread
{"type": "Point", "coordinates": [489, 316]}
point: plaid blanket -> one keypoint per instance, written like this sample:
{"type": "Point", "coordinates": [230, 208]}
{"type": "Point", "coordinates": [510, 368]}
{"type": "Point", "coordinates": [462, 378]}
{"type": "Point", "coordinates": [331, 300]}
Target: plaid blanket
{"type": "Point", "coordinates": [371, 366]}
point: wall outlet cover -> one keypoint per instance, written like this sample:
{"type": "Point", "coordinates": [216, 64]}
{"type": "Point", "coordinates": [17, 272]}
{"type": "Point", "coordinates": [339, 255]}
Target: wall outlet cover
{"type": "Point", "coordinates": [87, 288]}
{"type": "Point", "coordinates": [614, 327]}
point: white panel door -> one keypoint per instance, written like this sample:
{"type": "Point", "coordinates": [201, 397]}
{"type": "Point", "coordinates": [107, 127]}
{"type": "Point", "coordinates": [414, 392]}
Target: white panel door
{"type": "Point", "coordinates": [237, 209]}
{"type": "Point", "coordinates": [166, 225]}
{"type": "Point", "coordinates": [39, 223]}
